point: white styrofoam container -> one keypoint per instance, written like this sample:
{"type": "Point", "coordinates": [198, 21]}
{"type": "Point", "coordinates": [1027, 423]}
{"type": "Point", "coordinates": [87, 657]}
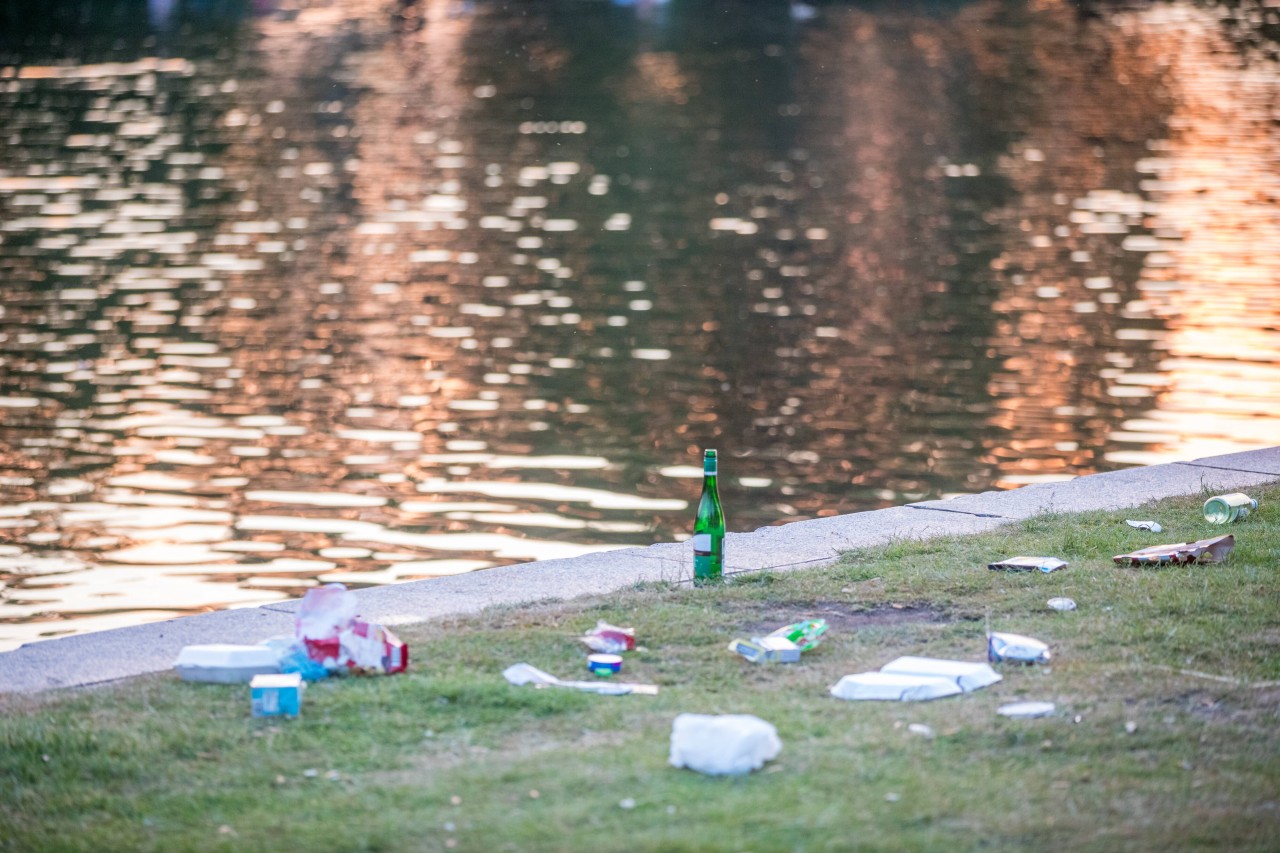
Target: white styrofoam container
{"type": "Point", "coordinates": [224, 663]}
{"type": "Point", "coordinates": [968, 676]}
{"type": "Point", "coordinates": [888, 686]}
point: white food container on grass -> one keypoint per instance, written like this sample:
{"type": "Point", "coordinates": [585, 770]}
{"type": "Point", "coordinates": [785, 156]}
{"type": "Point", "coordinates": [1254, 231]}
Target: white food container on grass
{"type": "Point", "coordinates": [222, 663]}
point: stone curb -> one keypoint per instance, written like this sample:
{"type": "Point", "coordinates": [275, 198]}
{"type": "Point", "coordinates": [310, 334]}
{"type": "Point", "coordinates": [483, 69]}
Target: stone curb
{"type": "Point", "coordinates": [105, 656]}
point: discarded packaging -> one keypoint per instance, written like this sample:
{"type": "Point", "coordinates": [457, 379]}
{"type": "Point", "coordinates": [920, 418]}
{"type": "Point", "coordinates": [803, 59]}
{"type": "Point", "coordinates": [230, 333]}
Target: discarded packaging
{"type": "Point", "coordinates": [610, 639]}
{"type": "Point", "coordinates": [372, 649]}
{"type": "Point", "coordinates": [783, 645]}
{"type": "Point", "coordinates": [1062, 605]}
{"type": "Point", "coordinates": [967, 676]}
{"type": "Point", "coordinates": [1153, 526]}
{"type": "Point", "coordinates": [893, 687]}
{"type": "Point", "coordinates": [334, 638]}
{"type": "Point", "coordinates": [1224, 509]}
{"type": "Point", "coordinates": [291, 655]}
{"type": "Point", "coordinates": [276, 695]}
{"type": "Point", "coordinates": [1213, 550]}
{"type": "Point", "coordinates": [805, 634]}
{"type": "Point", "coordinates": [224, 663]}
{"type": "Point", "coordinates": [723, 745]}
{"type": "Point", "coordinates": [1016, 648]}
{"type": "Point", "coordinates": [1026, 710]}
{"type": "Point", "coordinates": [916, 679]}
{"type": "Point", "coordinates": [1028, 564]}
{"type": "Point", "coordinates": [604, 665]}
{"type": "Point", "coordinates": [766, 649]}
{"type": "Point", "coordinates": [523, 673]}
{"type": "Point", "coordinates": [324, 612]}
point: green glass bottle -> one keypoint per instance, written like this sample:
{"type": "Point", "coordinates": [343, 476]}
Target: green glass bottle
{"type": "Point", "coordinates": [708, 527]}
{"type": "Point", "coordinates": [1224, 509]}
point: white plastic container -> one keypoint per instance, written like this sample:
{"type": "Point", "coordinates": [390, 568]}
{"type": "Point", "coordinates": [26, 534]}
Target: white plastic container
{"type": "Point", "coordinates": [967, 676]}
{"type": "Point", "coordinates": [894, 687]}
{"type": "Point", "coordinates": [223, 663]}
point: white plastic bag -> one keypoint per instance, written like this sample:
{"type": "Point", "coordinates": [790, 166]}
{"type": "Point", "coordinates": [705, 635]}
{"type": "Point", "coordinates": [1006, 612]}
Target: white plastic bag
{"type": "Point", "coordinates": [724, 745]}
{"type": "Point", "coordinates": [325, 612]}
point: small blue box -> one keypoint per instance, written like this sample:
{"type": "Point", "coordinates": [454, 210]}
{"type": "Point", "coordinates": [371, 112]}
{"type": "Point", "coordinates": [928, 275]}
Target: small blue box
{"type": "Point", "coordinates": [276, 695]}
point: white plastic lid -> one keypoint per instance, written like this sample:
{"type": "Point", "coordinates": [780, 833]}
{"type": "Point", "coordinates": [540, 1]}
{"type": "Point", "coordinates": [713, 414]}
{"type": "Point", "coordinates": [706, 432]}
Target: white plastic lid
{"type": "Point", "coordinates": [223, 655]}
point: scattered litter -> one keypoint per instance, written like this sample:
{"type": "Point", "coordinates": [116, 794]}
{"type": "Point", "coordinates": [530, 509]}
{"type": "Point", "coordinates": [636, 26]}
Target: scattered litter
{"type": "Point", "coordinates": [922, 730]}
{"type": "Point", "coordinates": [276, 695]}
{"type": "Point", "coordinates": [1026, 710]}
{"type": "Point", "coordinates": [324, 612]}
{"type": "Point", "coordinates": [371, 649]}
{"type": "Point", "coordinates": [1028, 564]}
{"type": "Point", "coordinates": [916, 679]}
{"type": "Point", "coordinates": [224, 663]}
{"type": "Point", "coordinates": [291, 654]}
{"type": "Point", "coordinates": [1130, 727]}
{"type": "Point", "coordinates": [604, 665]}
{"type": "Point", "coordinates": [1213, 550]}
{"type": "Point", "coordinates": [805, 634]}
{"type": "Point", "coordinates": [523, 673]}
{"type": "Point", "coordinates": [331, 635]}
{"type": "Point", "coordinates": [967, 676]}
{"type": "Point", "coordinates": [1016, 648]}
{"type": "Point", "coordinates": [766, 649]}
{"type": "Point", "coordinates": [891, 687]}
{"type": "Point", "coordinates": [1153, 526]}
{"type": "Point", "coordinates": [783, 645]}
{"type": "Point", "coordinates": [1062, 605]}
{"type": "Point", "coordinates": [610, 639]}
{"type": "Point", "coordinates": [723, 745]}
{"type": "Point", "coordinates": [1224, 509]}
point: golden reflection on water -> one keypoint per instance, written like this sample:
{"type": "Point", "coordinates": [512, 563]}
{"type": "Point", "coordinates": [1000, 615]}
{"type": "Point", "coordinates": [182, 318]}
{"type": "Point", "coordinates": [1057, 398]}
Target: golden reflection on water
{"type": "Point", "coordinates": [371, 297]}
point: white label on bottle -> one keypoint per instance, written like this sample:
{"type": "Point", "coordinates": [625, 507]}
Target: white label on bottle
{"type": "Point", "coordinates": [702, 542]}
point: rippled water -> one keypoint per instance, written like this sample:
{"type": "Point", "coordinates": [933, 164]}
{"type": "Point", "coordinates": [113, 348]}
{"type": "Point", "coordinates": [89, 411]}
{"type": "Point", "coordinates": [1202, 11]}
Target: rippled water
{"type": "Point", "coordinates": [370, 291]}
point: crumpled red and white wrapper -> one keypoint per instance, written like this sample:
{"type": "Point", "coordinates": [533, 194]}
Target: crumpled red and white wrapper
{"type": "Point", "coordinates": [610, 639]}
{"type": "Point", "coordinates": [333, 637]}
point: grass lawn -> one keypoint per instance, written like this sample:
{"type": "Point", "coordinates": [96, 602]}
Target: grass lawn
{"type": "Point", "coordinates": [1166, 683]}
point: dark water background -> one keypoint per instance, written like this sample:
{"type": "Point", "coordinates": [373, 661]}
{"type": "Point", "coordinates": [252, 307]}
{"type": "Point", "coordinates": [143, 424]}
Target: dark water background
{"type": "Point", "coordinates": [371, 291]}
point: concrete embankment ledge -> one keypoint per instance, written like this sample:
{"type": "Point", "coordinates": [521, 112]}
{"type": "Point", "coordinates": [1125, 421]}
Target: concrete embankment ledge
{"type": "Point", "coordinates": [110, 655]}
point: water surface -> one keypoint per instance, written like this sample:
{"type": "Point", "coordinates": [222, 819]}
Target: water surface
{"type": "Point", "coordinates": [365, 291]}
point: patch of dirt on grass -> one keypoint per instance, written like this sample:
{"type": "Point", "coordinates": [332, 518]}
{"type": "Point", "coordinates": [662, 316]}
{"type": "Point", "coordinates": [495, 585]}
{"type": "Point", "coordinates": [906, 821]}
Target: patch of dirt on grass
{"type": "Point", "coordinates": [1243, 707]}
{"type": "Point", "coordinates": [840, 615]}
